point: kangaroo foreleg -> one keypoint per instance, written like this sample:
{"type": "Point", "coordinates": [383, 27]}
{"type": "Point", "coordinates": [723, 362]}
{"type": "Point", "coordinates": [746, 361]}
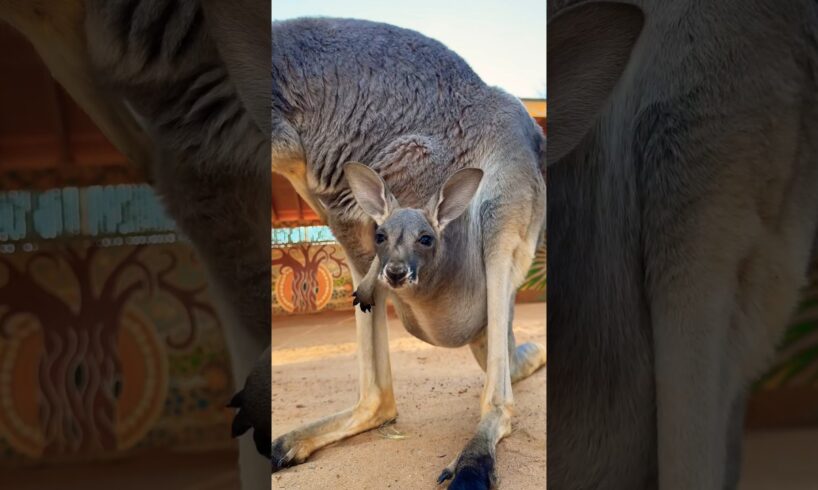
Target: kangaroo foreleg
{"type": "Point", "coordinates": [365, 292]}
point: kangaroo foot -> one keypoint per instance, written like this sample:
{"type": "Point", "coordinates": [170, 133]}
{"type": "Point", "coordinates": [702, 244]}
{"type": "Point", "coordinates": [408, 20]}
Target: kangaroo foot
{"type": "Point", "coordinates": [296, 446]}
{"type": "Point", "coordinates": [472, 470]}
{"type": "Point", "coordinates": [253, 407]}
{"type": "Point", "coordinates": [474, 467]}
{"type": "Point", "coordinates": [527, 359]}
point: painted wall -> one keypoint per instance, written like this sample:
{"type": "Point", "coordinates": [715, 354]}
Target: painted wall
{"type": "Point", "coordinates": [309, 278]}
{"type": "Point", "coordinates": [108, 350]}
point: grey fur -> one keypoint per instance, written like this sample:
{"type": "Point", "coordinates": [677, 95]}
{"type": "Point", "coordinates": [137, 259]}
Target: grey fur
{"type": "Point", "coordinates": [404, 105]}
{"type": "Point", "coordinates": [679, 231]}
{"type": "Point", "coordinates": [413, 269]}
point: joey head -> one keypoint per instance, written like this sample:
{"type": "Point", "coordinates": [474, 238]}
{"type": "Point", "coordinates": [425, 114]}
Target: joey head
{"type": "Point", "coordinates": [408, 242]}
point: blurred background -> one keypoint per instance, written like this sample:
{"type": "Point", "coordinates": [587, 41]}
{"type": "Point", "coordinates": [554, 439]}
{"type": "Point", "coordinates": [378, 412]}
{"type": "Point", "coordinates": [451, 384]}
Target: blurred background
{"type": "Point", "coordinates": [112, 357]}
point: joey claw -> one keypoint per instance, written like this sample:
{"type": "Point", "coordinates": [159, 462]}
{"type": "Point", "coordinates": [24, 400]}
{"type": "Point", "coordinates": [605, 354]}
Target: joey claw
{"type": "Point", "coordinates": [365, 307]}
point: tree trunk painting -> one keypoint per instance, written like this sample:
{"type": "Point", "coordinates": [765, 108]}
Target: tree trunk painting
{"type": "Point", "coordinates": [80, 373]}
{"type": "Point", "coordinates": [299, 284]}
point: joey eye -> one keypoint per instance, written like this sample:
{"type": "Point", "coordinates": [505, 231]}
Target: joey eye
{"type": "Point", "coordinates": [380, 238]}
{"type": "Point", "coordinates": [426, 240]}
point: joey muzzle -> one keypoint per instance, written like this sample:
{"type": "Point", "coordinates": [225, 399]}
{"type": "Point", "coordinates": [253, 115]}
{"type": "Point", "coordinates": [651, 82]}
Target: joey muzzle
{"type": "Point", "coordinates": [396, 273]}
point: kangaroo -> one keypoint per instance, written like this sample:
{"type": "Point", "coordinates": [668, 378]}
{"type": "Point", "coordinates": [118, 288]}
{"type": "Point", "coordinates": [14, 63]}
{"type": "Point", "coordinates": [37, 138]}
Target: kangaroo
{"type": "Point", "coordinates": [465, 162]}
{"type": "Point", "coordinates": [683, 201]}
{"type": "Point", "coordinates": [416, 260]}
{"type": "Point", "coordinates": [182, 89]}
{"type": "Point", "coordinates": [408, 240]}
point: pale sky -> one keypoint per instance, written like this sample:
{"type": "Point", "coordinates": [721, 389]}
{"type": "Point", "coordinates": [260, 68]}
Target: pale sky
{"type": "Point", "coordinates": [503, 41]}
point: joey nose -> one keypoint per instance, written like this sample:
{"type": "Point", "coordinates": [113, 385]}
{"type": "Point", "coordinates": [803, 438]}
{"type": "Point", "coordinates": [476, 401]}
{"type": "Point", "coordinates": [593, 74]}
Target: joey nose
{"type": "Point", "coordinates": [395, 272]}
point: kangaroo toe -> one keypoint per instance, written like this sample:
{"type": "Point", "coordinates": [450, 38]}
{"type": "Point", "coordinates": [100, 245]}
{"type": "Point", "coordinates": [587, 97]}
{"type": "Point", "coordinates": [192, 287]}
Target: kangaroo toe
{"type": "Point", "coordinates": [473, 473]}
{"type": "Point", "coordinates": [285, 452]}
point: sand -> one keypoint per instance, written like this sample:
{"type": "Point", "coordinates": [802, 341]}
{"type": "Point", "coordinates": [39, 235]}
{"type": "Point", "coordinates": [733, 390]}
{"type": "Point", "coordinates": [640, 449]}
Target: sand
{"type": "Point", "coordinates": [437, 392]}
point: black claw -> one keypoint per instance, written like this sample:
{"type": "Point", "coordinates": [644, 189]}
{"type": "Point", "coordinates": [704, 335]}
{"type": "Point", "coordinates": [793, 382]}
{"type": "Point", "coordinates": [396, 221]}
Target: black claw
{"type": "Point", "coordinates": [445, 475]}
{"type": "Point", "coordinates": [475, 473]}
{"type": "Point", "coordinates": [470, 479]}
{"type": "Point", "coordinates": [278, 456]}
{"type": "Point", "coordinates": [357, 301]}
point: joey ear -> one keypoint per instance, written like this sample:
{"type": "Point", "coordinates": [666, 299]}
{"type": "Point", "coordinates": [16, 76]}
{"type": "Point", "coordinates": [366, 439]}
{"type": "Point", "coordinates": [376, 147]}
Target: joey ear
{"type": "Point", "coordinates": [589, 46]}
{"type": "Point", "coordinates": [369, 190]}
{"type": "Point", "coordinates": [456, 195]}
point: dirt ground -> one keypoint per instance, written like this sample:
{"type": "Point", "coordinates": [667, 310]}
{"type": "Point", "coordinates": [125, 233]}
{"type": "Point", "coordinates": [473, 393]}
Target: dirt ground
{"type": "Point", "coordinates": [437, 392]}
{"type": "Point", "coordinates": [438, 395]}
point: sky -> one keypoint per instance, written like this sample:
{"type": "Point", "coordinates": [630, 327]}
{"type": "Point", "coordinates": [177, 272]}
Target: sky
{"type": "Point", "coordinates": [503, 41]}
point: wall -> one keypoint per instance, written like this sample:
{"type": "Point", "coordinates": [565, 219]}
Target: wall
{"type": "Point", "coordinates": [108, 350]}
{"type": "Point", "coordinates": [308, 278]}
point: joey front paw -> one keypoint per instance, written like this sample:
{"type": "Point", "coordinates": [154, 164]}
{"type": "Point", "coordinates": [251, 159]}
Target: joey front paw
{"type": "Point", "coordinates": [362, 300]}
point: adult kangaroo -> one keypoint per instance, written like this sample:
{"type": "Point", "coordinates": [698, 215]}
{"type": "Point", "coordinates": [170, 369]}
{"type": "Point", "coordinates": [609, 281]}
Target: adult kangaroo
{"type": "Point", "coordinates": [683, 175]}
{"type": "Point", "coordinates": [413, 114]}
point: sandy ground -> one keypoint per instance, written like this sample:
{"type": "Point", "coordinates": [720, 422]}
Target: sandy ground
{"type": "Point", "coordinates": [779, 460]}
{"type": "Point", "coordinates": [437, 392]}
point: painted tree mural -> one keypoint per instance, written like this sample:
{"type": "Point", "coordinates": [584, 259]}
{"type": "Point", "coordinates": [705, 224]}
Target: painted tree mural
{"type": "Point", "coordinates": [79, 373]}
{"type": "Point", "coordinates": [304, 286]}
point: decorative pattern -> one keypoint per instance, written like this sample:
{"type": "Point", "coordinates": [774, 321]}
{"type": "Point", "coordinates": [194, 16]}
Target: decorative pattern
{"type": "Point", "coordinates": [104, 349]}
{"type": "Point", "coordinates": [95, 211]}
{"type": "Point", "coordinates": [313, 277]}
{"type": "Point", "coordinates": [304, 276]}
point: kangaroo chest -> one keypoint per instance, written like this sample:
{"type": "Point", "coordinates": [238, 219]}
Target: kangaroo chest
{"type": "Point", "coordinates": [448, 313]}
{"type": "Point", "coordinates": [452, 319]}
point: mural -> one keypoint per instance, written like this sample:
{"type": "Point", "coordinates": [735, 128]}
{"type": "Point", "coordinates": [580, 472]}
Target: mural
{"type": "Point", "coordinates": [313, 277]}
{"type": "Point", "coordinates": [104, 349]}
{"type": "Point", "coordinates": [310, 277]}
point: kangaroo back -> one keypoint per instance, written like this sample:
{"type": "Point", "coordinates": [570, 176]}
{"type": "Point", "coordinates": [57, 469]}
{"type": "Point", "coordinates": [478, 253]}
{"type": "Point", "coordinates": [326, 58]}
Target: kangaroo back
{"type": "Point", "coordinates": [390, 98]}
